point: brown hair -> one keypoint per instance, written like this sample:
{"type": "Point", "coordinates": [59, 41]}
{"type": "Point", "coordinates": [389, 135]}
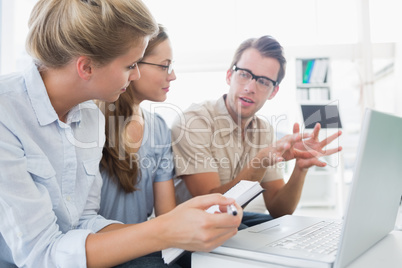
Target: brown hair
{"type": "Point", "coordinates": [117, 158]}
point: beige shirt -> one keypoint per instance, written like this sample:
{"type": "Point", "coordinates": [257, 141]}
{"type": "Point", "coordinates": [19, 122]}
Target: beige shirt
{"type": "Point", "coordinates": [207, 139]}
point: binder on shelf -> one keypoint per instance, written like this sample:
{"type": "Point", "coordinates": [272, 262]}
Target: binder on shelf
{"type": "Point", "coordinates": [322, 70]}
{"type": "Point", "coordinates": [316, 72]}
{"type": "Point", "coordinates": [312, 79]}
{"type": "Point", "coordinates": [307, 72]}
{"type": "Point", "coordinates": [299, 71]}
{"type": "Point", "coordinates": [312, 71]}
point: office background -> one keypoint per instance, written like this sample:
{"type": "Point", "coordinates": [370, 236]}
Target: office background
{"type": "Point", "coordinates": [359, 37]}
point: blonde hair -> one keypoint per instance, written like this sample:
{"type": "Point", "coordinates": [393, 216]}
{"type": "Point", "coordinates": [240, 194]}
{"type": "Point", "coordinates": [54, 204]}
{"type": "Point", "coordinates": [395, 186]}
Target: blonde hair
{"type": "Point", "coordinates": [118, 160]}
{"type": "Point", "coordinates": [61, 30]}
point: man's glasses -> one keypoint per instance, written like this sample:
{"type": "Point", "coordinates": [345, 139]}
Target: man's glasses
{"type": "Point", "coordinates": [246, 76]}
{"type": "Point", "coordinates": [168, 67]}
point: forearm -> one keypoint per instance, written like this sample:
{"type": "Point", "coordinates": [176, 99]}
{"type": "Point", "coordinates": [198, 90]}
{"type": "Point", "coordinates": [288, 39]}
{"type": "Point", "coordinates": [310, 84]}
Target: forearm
{"type": "Point", "coordinates": [188, 227]}
{"type": "Point", "coordinates": [287, 198]}
{"type": "Point", "coordinates": [224, 187]}
{"type": "Point", "coordinates": [167, 206]}
{"type": "Point", "coordinates": [164, 197]}
{"type": "Point", "coordinates": [117, 243]}
{"type": "Point", "coordinates": [253, 171]}
{"type": "Point", "coordinates": [113, 227]}
{"type": "Point", "coordinates": [210, 182]}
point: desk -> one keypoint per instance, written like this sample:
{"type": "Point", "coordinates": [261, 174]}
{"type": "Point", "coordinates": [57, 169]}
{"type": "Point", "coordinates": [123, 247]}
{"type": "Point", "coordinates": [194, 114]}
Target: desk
{"type": "Point", "coordinates": [386, 253]}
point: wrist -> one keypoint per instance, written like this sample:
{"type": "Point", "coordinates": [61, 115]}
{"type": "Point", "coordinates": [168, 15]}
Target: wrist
{"type": "Point", "coordinates": [264, 160]}
{"type": "Point", "coordinates": [299, 166]}
{"type": "Point", "coordinates": [163, 234]}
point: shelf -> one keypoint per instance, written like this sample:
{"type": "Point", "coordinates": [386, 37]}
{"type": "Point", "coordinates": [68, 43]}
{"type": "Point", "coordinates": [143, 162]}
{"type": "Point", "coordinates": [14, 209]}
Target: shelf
{"type": "Point", "coordinates": [312, 79]}
{"type": "Point", "coordinates": [325, 85]}
{"type": "Point", "coordinates": [313, 91]}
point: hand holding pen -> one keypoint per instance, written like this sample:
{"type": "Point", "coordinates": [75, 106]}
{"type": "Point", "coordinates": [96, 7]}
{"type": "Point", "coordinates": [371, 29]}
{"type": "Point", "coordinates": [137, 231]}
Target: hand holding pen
{"type": "Point", "coordinates": [231, 209]}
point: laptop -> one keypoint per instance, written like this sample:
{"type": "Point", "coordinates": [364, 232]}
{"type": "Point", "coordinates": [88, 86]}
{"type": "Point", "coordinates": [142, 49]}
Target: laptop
{"type": "Point", "coordinates": [370, 215]}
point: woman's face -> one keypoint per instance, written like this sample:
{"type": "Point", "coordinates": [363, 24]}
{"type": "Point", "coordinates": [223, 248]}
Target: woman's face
{"type": "Point", "coordinates": [154, 82]}
{"type": "Point", "coordinates": [111, 80]}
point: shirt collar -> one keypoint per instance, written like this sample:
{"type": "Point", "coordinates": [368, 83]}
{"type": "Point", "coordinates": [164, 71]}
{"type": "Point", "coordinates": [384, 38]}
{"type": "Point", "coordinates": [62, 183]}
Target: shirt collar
{"type": "Point", "coordinates": [74, 115]}
{"type": "Point", "coordinates": [40, 101]}
{"type": "Point", "coordinates": [225, 122]}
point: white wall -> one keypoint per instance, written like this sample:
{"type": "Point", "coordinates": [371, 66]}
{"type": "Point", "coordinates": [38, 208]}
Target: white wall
{"type": "Point", "coordinates": [14, 27]}
{"type": "Point", "coordinates": [205, 34]}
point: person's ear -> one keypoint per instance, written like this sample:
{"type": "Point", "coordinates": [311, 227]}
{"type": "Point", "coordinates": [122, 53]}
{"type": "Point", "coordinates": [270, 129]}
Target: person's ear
{"type": "Point", "coordinates": [84, 67]}
{"type": "Point", "coordinates": [272, 95]}
{"type": "Point", "coordinates": [229, 76]}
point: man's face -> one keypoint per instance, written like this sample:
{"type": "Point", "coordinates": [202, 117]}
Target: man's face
{"type": "Point", "coordinates": [244, 100]}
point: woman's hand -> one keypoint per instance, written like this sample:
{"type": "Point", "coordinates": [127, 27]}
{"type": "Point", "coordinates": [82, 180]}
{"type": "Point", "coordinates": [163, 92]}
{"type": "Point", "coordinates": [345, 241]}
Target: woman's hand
{"type": "Point", "coordinates": [194, 229]}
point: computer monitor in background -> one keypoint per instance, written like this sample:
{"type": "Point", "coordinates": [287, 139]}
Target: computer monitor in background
{"type": "Point", "coordinates": [325, 114]}
{"type": "Point", "coordinates": [320, 188]}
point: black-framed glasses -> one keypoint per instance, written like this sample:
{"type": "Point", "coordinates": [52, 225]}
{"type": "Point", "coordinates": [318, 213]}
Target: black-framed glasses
{"type": "Point", "coordinates": [263, 83]}
{"type": "Point", "coordinates": [168, 67]}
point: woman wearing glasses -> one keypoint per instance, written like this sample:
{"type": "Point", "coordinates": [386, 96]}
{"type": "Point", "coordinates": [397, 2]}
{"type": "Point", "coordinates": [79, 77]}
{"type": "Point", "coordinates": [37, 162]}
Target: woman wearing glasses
{"type": "Point", "coordinates": [137, 169]}
{"type": "Point", "coordinates": [52, 135]}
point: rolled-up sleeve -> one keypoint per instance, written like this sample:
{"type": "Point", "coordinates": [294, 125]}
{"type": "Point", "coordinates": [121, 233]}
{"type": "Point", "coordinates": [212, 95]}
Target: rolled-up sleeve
{"type": "Point", "coordinates": [70, 250]}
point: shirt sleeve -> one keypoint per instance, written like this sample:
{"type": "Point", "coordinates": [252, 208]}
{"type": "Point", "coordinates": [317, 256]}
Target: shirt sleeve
{"type": "Point", "coordinates": [274, 172]}
{"type": "Point", "coordinates": [165, 164]}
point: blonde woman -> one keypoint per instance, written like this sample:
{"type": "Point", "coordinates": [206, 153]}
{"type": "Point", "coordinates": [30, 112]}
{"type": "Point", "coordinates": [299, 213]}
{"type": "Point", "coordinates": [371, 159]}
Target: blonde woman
{"type": "Point", "coordinates": [52, 136]}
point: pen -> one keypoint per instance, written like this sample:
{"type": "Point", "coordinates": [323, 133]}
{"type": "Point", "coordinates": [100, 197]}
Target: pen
{"type": "Point", "coordinates": [231, 209]}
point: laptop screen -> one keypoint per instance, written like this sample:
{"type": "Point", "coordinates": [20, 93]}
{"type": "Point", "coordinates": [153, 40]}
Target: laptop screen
{"type": "Point", "coordinates": [327, 115]}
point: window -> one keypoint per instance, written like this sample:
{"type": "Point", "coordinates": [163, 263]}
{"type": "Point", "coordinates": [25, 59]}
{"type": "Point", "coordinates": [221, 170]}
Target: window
{"type": "Point", "coordinates": [14, 15]}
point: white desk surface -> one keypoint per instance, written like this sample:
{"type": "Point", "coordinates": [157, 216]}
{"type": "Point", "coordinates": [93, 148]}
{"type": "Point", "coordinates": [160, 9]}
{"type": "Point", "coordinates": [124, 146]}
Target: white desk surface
{"type": "Point", "coordinates": [386, 253]}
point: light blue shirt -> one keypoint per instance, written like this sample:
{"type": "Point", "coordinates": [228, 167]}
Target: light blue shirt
{"type": "Point", "coordinates": [155, 160]}
{"type": "Point", "coordinates": [49, 176]}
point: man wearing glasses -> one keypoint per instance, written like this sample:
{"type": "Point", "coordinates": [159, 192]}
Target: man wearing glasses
{"type": "Point", "coordinates": [220, 142]}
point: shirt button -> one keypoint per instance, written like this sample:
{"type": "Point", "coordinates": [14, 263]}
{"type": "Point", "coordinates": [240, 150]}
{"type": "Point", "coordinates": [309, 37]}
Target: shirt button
{"type": "Point", "coordinates": [68, 198]}
{"type": "Point", "coordinates": [19, 234]}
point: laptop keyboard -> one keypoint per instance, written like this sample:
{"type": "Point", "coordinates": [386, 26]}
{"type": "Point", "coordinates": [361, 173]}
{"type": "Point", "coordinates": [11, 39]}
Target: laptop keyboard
{"type": "Point", "coordinates": [320, 238]}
